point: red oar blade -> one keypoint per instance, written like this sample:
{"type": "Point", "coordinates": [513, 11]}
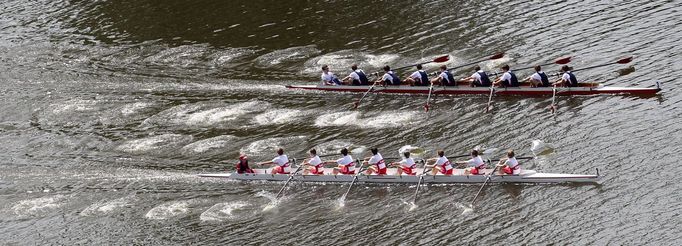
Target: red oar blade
{"type": "Point", "coordinates": [624, 60]}
{"type": "Point", "coordinates": [564, 60]}
{"type": "Point", "coordinates": [497, 56]}
{"type": "Point", "coordinates": [442, 58]}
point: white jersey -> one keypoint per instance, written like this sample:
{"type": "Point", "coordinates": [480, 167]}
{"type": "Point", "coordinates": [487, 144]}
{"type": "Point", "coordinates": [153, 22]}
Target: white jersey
{"type": "Point", "coordinates": [444, 162]}
{"type": "Point", "coordinates": [315, 161]}
{"type": "Point", "coordinates": [346, 161]}
{"type": "Point", "coordinates": [476, 162]}
{"type": "Point", "coordinates": [506, 76]}
{"type": "Point", "coordinates": [387, 76]}
{"type": "Point", "coordinates": [355, 75]}
{"type": "Point", "coordinates": [536, 76]}
{"type": "Point", "coordinates": [327, 77]}
{"type": "Point", "coordinates": [282, 161]}
{"type": "Point", "coordinates": [514, 165]}
{"type": "Point", "coordinates": [416, 75]}
{"type": "Point", "coordinates": [377, 160]}
{"type": "Point", "coordinates": [566, 77]}
{"type": "Point", "coordinates": [407, 162]}
{"type": "Point", "coordinates": [477, 76]}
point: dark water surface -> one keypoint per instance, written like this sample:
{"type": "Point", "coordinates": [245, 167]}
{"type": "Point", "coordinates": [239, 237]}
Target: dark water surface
{"type": "Point", "coordinates": [110, 108]}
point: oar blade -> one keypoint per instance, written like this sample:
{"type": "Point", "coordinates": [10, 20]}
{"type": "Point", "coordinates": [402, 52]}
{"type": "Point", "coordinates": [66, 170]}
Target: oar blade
{"type": "Point", "coordinates": [497, 56]}
{"type": "Point", "coordinates": [442, 58]}
{"type": "Point", "coordinates": [355, 105]}
{"type": "Point", "coordinates": [564, 60]}
{"type": "Point", "coordinates": [625, 60]}
{"type": "Point", "coordinates": [426, 107]}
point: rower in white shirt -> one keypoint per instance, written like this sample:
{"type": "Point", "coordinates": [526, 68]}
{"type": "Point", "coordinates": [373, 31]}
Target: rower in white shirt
{"type": "Point", "coordinates": [346, 165]}
{"type": "Point", "coordinates": [313, 165]}
{"type": "Point", "coordinates": [440, 164]}
{"type": "Point", "coordinates": [418, 78]}
{"type": "Point", "coordinates": [539, 78]}
{"type": "Point", "coordinates": [376, 163]}
{"type": "Point", "coordinates": [567, 79]}
{"type": "Point", "coordinates": [328, 78]}
{"type": "Point", "coordinates": [444, 78]}
{"type": "Point", "coordinates": [475, 165]}
{"type": "Point", "coordinates": [405, 166]}
{"type": "Point", "coordinates": [356, 77]}
{"type": "Point", "coordinates": [478, 79]}
{"type": "Point", "coordinates": [509, 166]}
{"type": "Point", "coordinates": [389, 78]}
{"type": "Point", "coordinates": [508, 79]}
{"type": "Point", "coordinates": [281, 162]}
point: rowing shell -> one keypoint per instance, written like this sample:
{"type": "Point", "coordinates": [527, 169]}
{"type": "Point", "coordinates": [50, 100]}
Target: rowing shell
{"type": "Point", "coordinates": [464, 89]}
{"type": "Point", "coordinates": [458, 177]}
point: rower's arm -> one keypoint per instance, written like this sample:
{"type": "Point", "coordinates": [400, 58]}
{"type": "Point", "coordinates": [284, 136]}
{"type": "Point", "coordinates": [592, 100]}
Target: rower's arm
{"type": "Point", "coordinates": [265, 163]}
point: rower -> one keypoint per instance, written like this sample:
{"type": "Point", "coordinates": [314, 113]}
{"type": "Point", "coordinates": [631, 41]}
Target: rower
{"type": "Point", "coordinates": [243, 165]}
{"type": "Point", "coordinates": [313, 165]}
{"type": "Point", "coordinates": [440, 164]}
{"type": "Point", "coordinates": [509, 166]}
{"type": "Point", "coordinates": [508, 79]}
{"type": "Point", "coordinates": [405, 166]}
{"type": "Point", "coordinates": [389, 78]}
{"type": "Point", "coordinates": [444, 78]}
{"type": "Point", "coordinates": [478, 79]}
{"type": "Point", "coordinates": [281, 162]}
{"type": "Point", "coordinates": [568, 79]}
{"type": "Point", "coordinates": [475, 165]}
{"type": "Point", "coordinates": [418, 78]}
{"type": "Point", "coordinates": [376, 163]}
{"type": "Point", "coordinates": [346, 164]}
{"type": "Point", "coordinates": [328, 78]}
{"type": "Point", "coordinates": [357, 77]}
{"type": "Point", "coordinates": [539, 78]}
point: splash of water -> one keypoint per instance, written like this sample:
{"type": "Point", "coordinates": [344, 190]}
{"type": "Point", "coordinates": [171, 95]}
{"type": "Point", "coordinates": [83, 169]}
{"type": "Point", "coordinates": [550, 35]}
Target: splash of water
{"type": "Point", "coordinates": [466, 209]}
{"type": "Point", "coordinates": [273, 200]}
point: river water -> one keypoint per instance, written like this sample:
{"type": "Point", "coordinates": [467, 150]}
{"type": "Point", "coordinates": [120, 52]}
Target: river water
{"type": "Point", "coordinates": [111, 108]}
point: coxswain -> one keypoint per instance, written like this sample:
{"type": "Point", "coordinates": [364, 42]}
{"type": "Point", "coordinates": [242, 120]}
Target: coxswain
{"type": "Point", "coordinates": [567, 79]}
{"type": "Point", "coordinates": [357, 77]}
{"type": "Point", "coordinates": [346, 165]}
{"type": "Point", "coordinates": [509, 165]}
{"type": "Point", "coordinates": [243, 165]}
{"type": "Point", "coordinates": [473, 166]}
{"type": "Point", "coordinates": [444, 78]}
{"type": "Point", "coordinates": [281, 162]}
{"type": "Point", "coordinates": [478, 79]}
{"type": "Point", "coordinates": [405, 166]}
{"type": "Point", "coordinates": [418, 78]}
{"type": "Point", "coordinates": [389, 77]}
{"type": "Point", "coordinates": [539, 78]}
{"type": "Point", "coordinates": [508, 79]}
{"type": "Point", "coordinates": [376, 163]}
{"type": "Point", "coordinates": [440, 164]}
{"type": "Point", "coordinates": [328, 78]}
{"type": "Point", "coordinates": [313, 165]}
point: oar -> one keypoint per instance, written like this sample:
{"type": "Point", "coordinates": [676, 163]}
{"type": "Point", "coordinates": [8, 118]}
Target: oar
{"type": "Point", "coordinates": [493, 57]}
{"type": "Point", "coordinates": [621, 61]}
{"type": "Point", "coordinates": [490, 98]}
{"type": "Point", "coordinates": [428, 99]}
{"type": "Point", "coordinates": [553, 106]}
{"type": "Point", "coordinates": [355, 177]}
{"type": "Point", "coordinates": [357, 103]}
{"type": "Point", "coordinates": [560, 61]}
{"type": "Point", "coordinates": [484, 183]}
{"type": "Point", "coordinates": [419, 182]}
{"type": "Point", "coordinates": [437, 59]}
{"type": "Point", "coordinates": [291, 176]}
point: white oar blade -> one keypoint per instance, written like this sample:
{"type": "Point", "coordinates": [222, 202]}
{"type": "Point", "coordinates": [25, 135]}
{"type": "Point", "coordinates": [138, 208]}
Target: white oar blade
{"type": "Point", "coordinates": [539, 147]}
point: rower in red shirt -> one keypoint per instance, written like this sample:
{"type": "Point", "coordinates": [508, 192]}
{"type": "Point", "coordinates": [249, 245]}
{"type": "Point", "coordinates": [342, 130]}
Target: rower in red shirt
{"type": "Point", "coordinates": [243, 165]}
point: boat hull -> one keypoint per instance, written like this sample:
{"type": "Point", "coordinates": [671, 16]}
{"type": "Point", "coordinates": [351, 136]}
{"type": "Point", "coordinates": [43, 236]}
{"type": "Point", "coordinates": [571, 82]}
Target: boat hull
{"type": "Point", "coordinates": [526, 176]}
{"type": "Point", "coordinates": [587, 89]}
